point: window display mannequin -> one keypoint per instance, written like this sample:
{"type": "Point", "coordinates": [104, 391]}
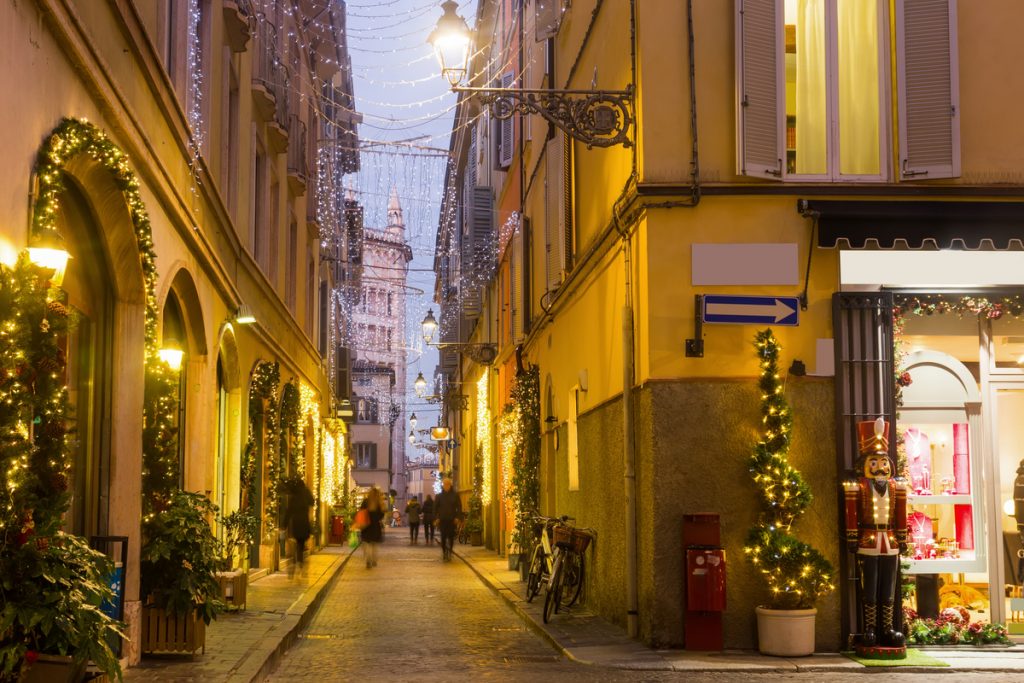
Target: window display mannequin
{"type": "Point", "coordinates": [876, 530]}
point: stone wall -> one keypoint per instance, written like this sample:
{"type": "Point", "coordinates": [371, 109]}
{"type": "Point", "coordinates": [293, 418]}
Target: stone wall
{"type": "Point", "coordinates": [693, 440]}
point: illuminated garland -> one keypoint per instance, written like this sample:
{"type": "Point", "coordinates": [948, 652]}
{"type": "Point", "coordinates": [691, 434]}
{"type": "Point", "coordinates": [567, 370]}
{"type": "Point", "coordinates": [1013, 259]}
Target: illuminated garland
{"type": "Point", "coordinates": [35, 458]}
{"type": "Point", "coordinates": [262, 401]}
{"type": "Point", "coordinates": [309, 414]}
{"type": "Point", "coordinates": [510, 441]}
{"type": "Point", "coordinates": [796, 573]}
{"type": "Point", "coordinates": [69, 139]}
{"type": "Point", "coordinates": [483, 439]}
{"type": "Point", "coordinates": [526, 464]}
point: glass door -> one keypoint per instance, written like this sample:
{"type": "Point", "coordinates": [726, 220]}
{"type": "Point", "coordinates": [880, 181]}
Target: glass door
{"type": "Point", "coordinates": [1008, 560]}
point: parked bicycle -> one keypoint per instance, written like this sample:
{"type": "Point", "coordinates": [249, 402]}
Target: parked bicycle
{"type": "Point", "coordinates": [542, 556]}
{"type": "Point", "coordinates": [567, 568]}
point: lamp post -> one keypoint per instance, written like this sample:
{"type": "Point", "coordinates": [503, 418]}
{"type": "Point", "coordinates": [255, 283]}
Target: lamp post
{"type": "Point", "coordinates": [481, 353]}
{"type": "Point", "coordinates": [48, 251]}
{"type": "Point", "coordinates": [597, 118]}
{"type": "Point", "coordinates": [171, 353]}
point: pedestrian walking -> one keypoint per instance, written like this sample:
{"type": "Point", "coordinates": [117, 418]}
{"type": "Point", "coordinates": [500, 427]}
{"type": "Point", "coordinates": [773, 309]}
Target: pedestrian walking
{"type": "Point", "coordinates": [296, 517]}
{"type": "Point", "coordinates": [447, 507]}
{"type": "Point", "coordinates": [373, 532]}
{"type": "Point", "coordinates": [428, 520]}
{"type": "Point", "coordinates": [412, 516]}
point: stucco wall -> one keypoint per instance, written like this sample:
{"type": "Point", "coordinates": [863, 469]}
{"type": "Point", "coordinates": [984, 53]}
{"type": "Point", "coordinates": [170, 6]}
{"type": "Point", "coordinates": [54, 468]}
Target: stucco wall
{"type": "Point", "coordinates": [693, 439]}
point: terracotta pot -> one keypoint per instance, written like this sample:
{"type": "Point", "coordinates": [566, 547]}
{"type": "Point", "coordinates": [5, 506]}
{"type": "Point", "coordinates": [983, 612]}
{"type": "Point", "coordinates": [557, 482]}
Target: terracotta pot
{"type": "Point", "coordinates": [785, 632]}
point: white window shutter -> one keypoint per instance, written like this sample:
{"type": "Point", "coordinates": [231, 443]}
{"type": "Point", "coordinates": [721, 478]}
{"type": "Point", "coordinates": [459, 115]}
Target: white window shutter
{"type": "Point", "coordinates": [928, 89]}
{"type": "Point", "coordinates": [760, 79]}
{"type": "Point", "coordinates": [505, 128]}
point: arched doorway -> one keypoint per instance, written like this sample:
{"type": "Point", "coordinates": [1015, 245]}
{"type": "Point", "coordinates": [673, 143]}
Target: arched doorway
{"type": "Point", "coordinates": [227, 468]}
{"type": "Point", "coordinates": [89, 353]}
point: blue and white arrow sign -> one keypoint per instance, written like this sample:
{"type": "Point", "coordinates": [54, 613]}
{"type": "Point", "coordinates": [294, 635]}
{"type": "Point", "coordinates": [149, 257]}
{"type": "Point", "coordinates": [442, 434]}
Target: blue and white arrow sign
{"type": "Point", "coordinates": [751, 310]}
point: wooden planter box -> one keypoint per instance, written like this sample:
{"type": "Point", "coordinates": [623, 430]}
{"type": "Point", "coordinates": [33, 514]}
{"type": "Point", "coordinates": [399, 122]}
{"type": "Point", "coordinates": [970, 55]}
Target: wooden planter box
{"type": "Point", "coordinates": [476, 538]}
{"type": "Point", "coordinates": [162, 632]}
{"type": "Point", "coordinates": [233, 588]}
{"type": "Point", "coordinates": [52, 669]}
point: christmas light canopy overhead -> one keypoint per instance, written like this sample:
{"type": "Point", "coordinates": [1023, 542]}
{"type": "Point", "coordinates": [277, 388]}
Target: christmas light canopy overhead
{"type": "Point", "coordinates": [451, 39]}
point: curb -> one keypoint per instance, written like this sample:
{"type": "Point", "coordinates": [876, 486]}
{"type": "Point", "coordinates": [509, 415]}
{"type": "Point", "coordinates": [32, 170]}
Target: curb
{"type": "Point", "coordinates": [262, 662]}
{"type": "Point", "coordinates": [514, 602]}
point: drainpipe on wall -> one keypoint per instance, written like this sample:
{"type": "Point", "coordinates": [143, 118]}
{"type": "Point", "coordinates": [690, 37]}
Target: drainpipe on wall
{"type": "Point", "coordinates": [629, 450]}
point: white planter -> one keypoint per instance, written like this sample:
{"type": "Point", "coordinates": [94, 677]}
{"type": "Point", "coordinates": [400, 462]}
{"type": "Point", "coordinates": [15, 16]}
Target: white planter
{"type": "Point", "coordinates": [785, 632]}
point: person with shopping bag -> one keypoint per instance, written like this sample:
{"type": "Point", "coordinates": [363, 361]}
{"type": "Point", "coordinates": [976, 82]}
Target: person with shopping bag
{"type": "Point", "coordinates": [368, 521]}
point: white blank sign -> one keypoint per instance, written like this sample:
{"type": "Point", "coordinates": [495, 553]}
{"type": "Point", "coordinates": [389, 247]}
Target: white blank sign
{"type": "Point", "coordinates": [745, 264]}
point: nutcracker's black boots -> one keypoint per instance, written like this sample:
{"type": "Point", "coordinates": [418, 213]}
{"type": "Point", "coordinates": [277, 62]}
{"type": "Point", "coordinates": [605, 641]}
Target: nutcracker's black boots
{"type": "Point", "coordinates": [869, 638]}
{"type": "Point", "coordinates": [890, 636]}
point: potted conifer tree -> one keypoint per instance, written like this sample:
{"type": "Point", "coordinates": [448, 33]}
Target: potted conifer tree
{"type": "Point", "coordinates": [797, 575]}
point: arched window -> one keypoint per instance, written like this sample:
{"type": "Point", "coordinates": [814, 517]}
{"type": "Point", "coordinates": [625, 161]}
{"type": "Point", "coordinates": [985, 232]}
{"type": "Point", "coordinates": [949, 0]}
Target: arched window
{"type": "Point", "coordinates": [89, 367]}
{"type": "Point", "coordinates": [174, 329]}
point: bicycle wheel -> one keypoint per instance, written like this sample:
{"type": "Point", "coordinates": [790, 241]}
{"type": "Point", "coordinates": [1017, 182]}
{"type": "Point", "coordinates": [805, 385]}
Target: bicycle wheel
{"type": "Point", "coordinates": [533, 579]}
{"type": "Point", "coordinates": [574, 578]}
{"type": "Point", "coordinates": [554, 594]}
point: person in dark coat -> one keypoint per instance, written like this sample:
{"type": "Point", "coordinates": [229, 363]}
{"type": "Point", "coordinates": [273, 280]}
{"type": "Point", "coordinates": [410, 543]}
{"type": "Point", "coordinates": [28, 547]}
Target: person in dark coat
{"type": "Point", "coordinates": [373, 533]}
{"type": "Point", "coordinates": [412, 516]}
{"type": "Point", "coordinates": [428, 519]}
{"type": "Point", "coordinates": [447, 507]}
{"type": "Point", "coordinates": [300, 500]}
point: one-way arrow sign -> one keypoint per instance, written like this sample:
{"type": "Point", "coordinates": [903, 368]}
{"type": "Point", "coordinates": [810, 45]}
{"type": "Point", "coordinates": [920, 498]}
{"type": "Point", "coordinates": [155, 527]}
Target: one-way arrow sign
{"type": "Point", "coordinates": [751, 310]}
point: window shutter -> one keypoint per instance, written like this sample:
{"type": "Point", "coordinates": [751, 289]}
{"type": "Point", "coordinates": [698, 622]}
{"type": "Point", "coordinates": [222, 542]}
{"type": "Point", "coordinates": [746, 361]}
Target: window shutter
{"type": "Point", "coordinates": [565, 210]}
{"type": "Point", "coordinates": [517, 285]}
{"type": "Point", "coordinates": [929, 101]}
{"type": "Point", "coordinates": [477, 248]}
{"type": "Point", "coordinates": [761, 88]}
{"type": "Point", "coordinates": [505, 129]}
{"type": "Point", "coordinates": [554, 211]}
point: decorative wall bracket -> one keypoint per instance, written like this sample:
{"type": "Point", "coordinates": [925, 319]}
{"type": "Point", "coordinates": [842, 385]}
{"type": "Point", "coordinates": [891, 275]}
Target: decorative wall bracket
{"type": "Point", "coordinates": [597, 118]}
{"type": "Point", "coordinates": [484, 354]}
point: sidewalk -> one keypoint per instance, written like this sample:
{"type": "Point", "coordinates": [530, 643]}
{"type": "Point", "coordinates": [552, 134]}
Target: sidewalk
{"type": "Point", "coordinates": [589, 639]}
{"type": "Point", "coordinates": [246, 646]}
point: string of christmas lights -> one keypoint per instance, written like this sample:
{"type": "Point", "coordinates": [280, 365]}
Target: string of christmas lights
{"type": "Point", "coordinates": [796, 573]}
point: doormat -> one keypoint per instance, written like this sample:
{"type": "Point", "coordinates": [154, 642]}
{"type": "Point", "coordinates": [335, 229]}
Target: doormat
{"type": "Point", "coordinates": [914, 658]}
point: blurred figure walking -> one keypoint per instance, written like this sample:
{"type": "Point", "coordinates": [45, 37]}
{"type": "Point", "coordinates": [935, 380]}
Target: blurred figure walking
{"type": "Point", "coordinates": [428, 519]}
{"type": "Point", "coordinates": [447, 507]}
{"type": "Point", "coordinates": [300, 500]}
{"type": "Point", "coordinates": [373, 532]}
{"type": "Point", "coordinates": [412, 516]}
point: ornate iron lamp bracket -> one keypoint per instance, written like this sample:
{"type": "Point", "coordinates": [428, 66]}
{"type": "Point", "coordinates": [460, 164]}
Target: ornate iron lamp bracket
{"type": "Point", "coordinates": [483, 354]}
{"type": "Point", "coordinates": [597, 118]}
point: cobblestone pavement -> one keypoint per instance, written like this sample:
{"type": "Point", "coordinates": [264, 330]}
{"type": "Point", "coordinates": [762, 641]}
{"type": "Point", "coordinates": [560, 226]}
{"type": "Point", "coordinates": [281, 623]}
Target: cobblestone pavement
{"type": "Point", "coordinates": [414, 618]}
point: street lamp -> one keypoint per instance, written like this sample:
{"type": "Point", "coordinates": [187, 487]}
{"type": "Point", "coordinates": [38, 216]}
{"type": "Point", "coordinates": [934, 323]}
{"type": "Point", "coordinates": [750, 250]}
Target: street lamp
{"type": "Point", "coordinates": [451, 40]}
{"type": "Point", "coordinates": [171, 352]}
{"type": "Point", "coordinates": [597, 118]}
{"type": "Point", "coordinates": [481, 353]}
{"type": "Point", "coordinates": [420, 385]}
{"type": "Point", "coordinates": [429, 326]}
{"type": "Point", "coordinates": [48, 251]}
{"type": "Point", "coordinates": [412, 420]}
{"type": "Point", "coordinates": [412, 436]}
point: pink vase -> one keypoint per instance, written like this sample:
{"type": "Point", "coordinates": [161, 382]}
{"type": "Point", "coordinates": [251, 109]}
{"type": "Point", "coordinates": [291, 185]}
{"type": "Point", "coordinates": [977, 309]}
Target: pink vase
{"type": "Point", "coordinates": [961, 459]}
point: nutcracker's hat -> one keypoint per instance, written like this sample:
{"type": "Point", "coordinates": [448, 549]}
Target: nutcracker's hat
{"type": "Point", "coordinates": [873, 437]}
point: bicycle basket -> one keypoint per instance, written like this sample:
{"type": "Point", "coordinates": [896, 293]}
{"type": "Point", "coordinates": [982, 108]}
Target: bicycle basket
{"type": "Point", "coordinates": [561, 535]}
{"type": "Point", "coordinates": [580, 540]}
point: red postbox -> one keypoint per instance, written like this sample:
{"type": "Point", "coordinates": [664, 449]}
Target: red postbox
{"type": "Point", "coordinates": [705, 580]}
{"type": "Point", "coordinates": [337, 529]}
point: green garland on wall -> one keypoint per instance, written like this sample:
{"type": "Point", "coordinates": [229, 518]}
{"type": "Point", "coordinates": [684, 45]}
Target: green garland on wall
{"type": "Point", "coordinates": [266, 377]}
{"type": "Point", "coordinates": [525, 487]}
{"type": "Point", "coordinates": [35, 458]}
{"type": "Point", "coordinates": [71, 138]}
{"type": "Point", "coordinates": [797, 574]}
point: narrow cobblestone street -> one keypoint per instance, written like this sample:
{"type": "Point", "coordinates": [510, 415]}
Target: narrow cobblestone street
{"type": "Point", "coordinates": [415, 618]}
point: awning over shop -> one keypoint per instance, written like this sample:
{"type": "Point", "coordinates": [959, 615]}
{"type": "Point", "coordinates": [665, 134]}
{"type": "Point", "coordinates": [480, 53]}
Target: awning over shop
{"type": "Point", "coordinates": [917, 224]}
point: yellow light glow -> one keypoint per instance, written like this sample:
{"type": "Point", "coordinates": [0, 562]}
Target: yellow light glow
{"type": "Point", "coordinates": [53, 259]}
{"type": "Point", "coordinates": [1008, 506]}
{"type": "Point", "coordinates": [172, 356]}
{"type": "Point", "coordinates": [483, 436]}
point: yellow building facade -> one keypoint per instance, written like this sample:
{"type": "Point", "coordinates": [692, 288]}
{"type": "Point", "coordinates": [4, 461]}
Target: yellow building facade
{"type": "Point", "coordinates": [223, 109]}
{"type": "Point", "coordinates": [840, 153]}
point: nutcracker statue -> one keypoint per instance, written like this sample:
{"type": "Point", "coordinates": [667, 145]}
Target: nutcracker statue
{"type": "Point", "coordinates": [876, 530]}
